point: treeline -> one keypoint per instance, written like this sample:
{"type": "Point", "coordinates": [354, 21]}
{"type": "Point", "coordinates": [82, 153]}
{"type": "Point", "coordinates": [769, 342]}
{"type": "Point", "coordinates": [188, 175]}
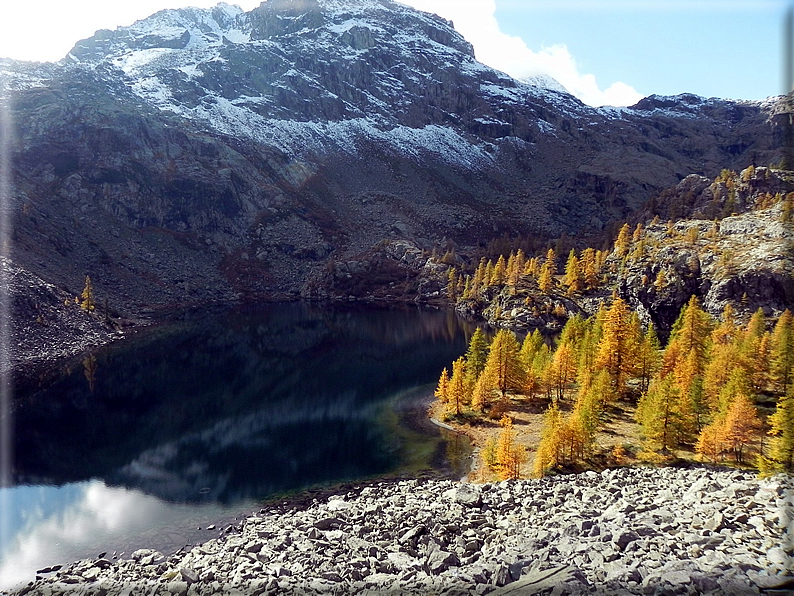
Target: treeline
{"type": "Point", "coordinates": [588, 269]}
{"type": "Point", "coordinates": [698, 393]}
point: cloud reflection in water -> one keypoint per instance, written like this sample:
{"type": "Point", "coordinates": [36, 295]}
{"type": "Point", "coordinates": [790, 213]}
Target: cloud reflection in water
{"type": "Point", "coordinates": [83, 519]}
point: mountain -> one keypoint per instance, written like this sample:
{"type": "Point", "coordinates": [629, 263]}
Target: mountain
{"type": "Point", "coordinates": [213, 154]}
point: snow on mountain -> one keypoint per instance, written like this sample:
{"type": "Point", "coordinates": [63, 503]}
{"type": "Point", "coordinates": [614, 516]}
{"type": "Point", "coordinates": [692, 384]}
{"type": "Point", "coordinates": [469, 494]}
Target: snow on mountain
{"type": "Point", "coordinates": [309, 76]}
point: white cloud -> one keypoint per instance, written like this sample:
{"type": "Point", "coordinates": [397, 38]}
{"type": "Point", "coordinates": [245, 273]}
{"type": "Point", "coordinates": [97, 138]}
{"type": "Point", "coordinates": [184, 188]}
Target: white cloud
{"type": "Point", "coordinates": [476, 21]}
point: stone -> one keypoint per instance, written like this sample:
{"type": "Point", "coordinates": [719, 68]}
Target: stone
{"type": "Point", "coordinates": [440, 560]}
{"type": "Point", "coordinates": [468, 495]}
{"type": "Point", "coordinates": [189, 575]}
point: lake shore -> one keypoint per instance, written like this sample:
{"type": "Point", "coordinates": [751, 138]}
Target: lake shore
{"type": "Point", "coordinates": [623, 531]}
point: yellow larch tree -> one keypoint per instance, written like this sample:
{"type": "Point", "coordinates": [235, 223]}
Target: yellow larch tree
{"type": "Point", "coordinates": [782, 353]}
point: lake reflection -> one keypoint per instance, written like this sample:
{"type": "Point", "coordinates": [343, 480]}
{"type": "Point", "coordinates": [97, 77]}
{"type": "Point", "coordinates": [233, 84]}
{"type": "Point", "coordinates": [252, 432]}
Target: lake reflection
{"type": "Point", "coordinates": [180, 425]}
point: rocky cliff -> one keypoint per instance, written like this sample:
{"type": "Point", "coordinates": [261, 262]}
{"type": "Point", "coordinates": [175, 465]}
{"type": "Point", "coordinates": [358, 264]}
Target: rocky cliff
{"type": "Point", "coordinates": [202, 155]}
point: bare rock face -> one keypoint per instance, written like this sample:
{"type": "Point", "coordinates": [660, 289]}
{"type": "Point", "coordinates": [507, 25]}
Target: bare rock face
{"type": "Point", "coordinates": [213, 154]}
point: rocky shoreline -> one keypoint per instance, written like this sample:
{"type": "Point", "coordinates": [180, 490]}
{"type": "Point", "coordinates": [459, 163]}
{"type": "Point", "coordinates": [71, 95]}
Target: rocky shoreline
{"type": "Point", "coordinates": [622, 531]}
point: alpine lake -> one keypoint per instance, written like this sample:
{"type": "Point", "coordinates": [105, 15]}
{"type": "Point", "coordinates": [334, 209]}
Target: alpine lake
{"type": "Point", "coordinates": [161, 439]}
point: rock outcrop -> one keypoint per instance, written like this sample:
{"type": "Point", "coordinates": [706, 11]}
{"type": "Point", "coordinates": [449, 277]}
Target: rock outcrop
{"type": "Point", "coordinates": [621, 531]}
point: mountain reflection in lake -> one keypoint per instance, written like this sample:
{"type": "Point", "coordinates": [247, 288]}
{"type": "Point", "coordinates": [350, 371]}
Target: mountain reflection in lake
{"type": "Point", "coordinates": [193, 420]}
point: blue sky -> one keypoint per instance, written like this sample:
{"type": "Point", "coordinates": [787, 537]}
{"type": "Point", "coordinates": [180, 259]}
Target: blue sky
{"type": "Point", "coordinates": [603, 51]}
{"type": "Point", "coordinates": [724, 49]}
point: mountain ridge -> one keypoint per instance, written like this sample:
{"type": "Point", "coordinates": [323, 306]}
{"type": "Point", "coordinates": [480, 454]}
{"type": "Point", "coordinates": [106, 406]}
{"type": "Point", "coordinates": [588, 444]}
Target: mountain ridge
{"type": "Point", "coordinates": [177, 162]}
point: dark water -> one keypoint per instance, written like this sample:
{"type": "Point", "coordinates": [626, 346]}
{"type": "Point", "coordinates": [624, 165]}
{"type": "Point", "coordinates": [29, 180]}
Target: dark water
{"type": "Point", "coordinates": [143, 442]}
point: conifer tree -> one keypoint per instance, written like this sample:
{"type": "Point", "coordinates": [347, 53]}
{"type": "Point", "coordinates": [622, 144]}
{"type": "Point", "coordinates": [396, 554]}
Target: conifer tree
{"type": "Point", "coordinates": [442, 389]}
{"type": "Point", "coordinates": [573, 275]}
{"type": "Point", "coordinates": [754, 348]}
{"type": "Point", "coordinates": [488, 277]}
{"type": "Point", "coordinates": [548, 454]}
{"type": "Point", "coordinates": [616, 349]}
{"type": "Point", "coordinates": [563, 368]}
{"type": "Point", "coordinates": [87, 296]}
{"type": "Point", "coordinates": [530, 347]}
{"type": "Point", "coordinates": [622, 241]}
{"type": "Point", "coordinates": [781, 446]}
{"type": "Point", "coordinates": [741, 427]}
{"type": "Point", "coordinates": [452, 284]}
{"type": "Point", "coordinates": [479, 280]}
{"type": "Point", "coordinates": [547, 272]}
{"type": "Point", "coordinates": [657, 413]}
{"type": "Point", "coordinates": [509, 456]}
{"type": "Point", "coordinates": [456, 390]}
{"type": "Point", "coordinates": [499, 275]}
{"type": "Point", "coordinates": [711, 442]}
{"type": "Point", "coordinates": [503, 365]}
{"type": "Point", "coordinates": [517, 269]}
{"type": "Point", "coordinates": [589, 268]}
{"type": "Point", "coordinates": [639, 233]}
{"type": "Point", "coordinates": [693, 329]}
{"type": "Point", "coordinates": [782, 353]}
{"type": "Point", "coordinates": [476, 356]}
{"type": "Point", "coordinates": [481, 395]}
{"type": "Point", "coordinates": [648, 357]}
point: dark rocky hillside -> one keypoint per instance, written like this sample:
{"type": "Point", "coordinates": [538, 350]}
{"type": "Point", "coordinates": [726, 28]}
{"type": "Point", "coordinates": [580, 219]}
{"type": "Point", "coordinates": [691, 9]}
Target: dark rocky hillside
{"type": "Point", "coordinates": [202, 155]}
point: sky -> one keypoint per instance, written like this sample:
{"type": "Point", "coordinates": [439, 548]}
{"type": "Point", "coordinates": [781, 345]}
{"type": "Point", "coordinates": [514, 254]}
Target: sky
{"type": "Point", "coordinates": [606, 52]}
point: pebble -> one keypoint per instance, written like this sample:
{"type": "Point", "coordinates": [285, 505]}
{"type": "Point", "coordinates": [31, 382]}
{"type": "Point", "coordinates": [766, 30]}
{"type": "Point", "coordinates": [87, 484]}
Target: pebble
{"type": "Point", "coordinates": [622, 531]}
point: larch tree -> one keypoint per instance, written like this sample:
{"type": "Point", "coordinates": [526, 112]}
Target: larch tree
{"type": "Point", "coordinates": [648, 357]}
{"type": "Point", "coordinates": [509, 455]}
{"type": "Point", "coordinates": [589, 268]}
{"type": "Point", "coordinates": [476, 356]}
{"type": "Point", "coordinates": [658, 414]}
{"type": "Point", "coordinates": [87, 296]}
{"type": "Point", "coordinates": [547, 272]}
{"type": "Point", "coordinates": [574, 280]}
{"type": "Point", "coordinates": [781, 445]}
{"type": "Point", "coordinates": [456, 390]}
{"type": "Point", "coordinates": [499, 274]}
{"type": "Point", "coordinates": [741, 427]}
{"type": "Point", "coordinates": [481, 394]}
{"type": "Point", "coordinates": [442, 389]}
{"type": "Point", "coordinates": [503, 365]}
{"type": "Point", "coordinates": [616, 349]}
{"type": "Point", "coordinates": [692, 331]}
{"type": "Point", "coordinates": [622, 241]}
{"type": "Point", "coordinates": [563, 368]}
{"type": "Point", "coordinates": [452, 284]}
{"type": "Point", "coordinates": [549, 449]}
{"type": "Point", "coordinates": [782, 353]}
